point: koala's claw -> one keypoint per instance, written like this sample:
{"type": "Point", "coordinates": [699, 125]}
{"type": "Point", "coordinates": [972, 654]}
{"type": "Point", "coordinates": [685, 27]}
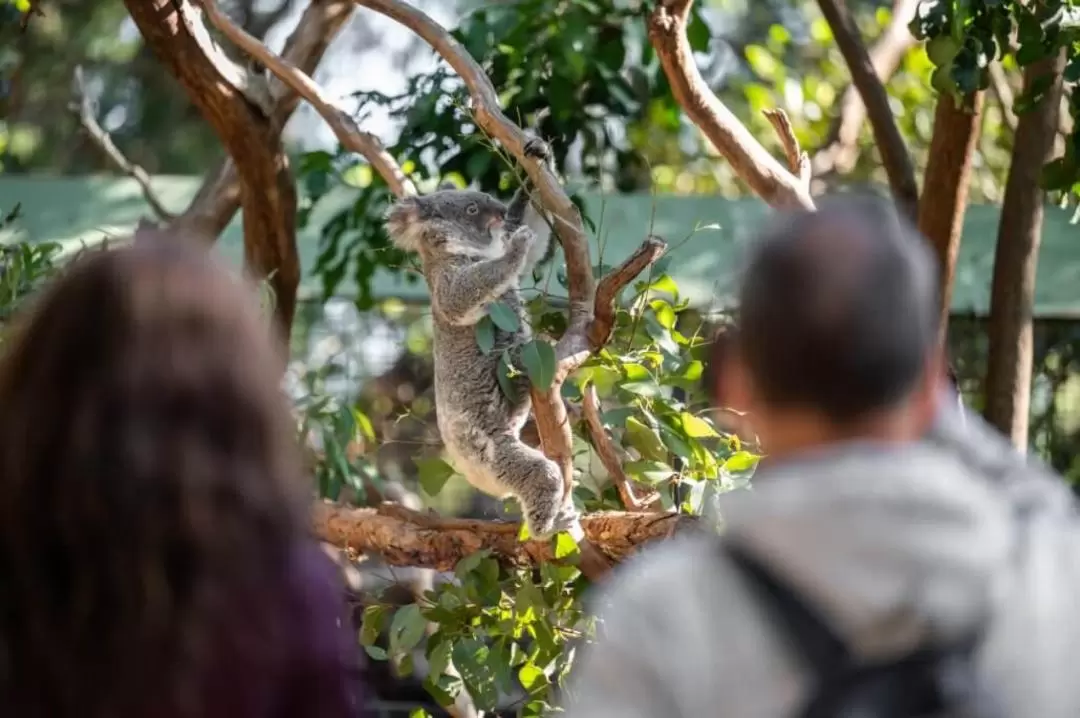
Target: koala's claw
{"type": "Point", "coordinates": [537, 148]}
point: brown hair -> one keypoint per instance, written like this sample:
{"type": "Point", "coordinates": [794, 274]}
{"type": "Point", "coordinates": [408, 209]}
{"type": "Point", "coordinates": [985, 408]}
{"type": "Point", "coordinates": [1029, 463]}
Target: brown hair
{"type": "Point", "coordinates": [149, 478]}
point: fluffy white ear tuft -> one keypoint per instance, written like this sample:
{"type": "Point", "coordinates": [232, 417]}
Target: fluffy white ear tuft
{"type": "Point", "coordinates": [403, 224]}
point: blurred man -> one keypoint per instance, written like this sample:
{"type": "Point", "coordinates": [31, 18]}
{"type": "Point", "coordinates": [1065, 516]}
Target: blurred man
{"type": "Point", "coordinates": [870, 571]}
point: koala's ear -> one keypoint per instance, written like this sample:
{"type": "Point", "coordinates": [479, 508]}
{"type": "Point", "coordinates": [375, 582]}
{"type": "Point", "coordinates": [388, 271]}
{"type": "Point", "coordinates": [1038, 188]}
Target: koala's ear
{"type": "Point", "coordinates": [403, 224]}
{"type": "Point", "coordinates": [446, 185]}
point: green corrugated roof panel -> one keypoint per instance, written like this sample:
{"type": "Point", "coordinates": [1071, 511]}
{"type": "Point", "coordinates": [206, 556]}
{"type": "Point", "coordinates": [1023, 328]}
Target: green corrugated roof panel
{"type": "Point", "coordinates": [705, 233]}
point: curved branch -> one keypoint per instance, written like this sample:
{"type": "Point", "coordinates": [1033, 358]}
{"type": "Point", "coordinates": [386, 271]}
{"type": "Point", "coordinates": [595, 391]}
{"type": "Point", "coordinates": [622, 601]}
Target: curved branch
{"type": "Point", "coordinates": [894, 154]}
{"type": "Point", "coordinates": [402, 537]}
{"type": "Point", "coordinates": [216, 86]}
{"type": "Point", "coordinates": [750, 160]}
{"type": "Point", "coordinates": [798, 161]}
{"type": "Point", "coordinates": [217, 200]}
{"type": "Point", "coordinates": [841, 148]}
{"type": "Point", "coordinates": [83, 107]}
{"type": "Point", "coordinates": [607, 292]}
{"type": "Point", "coordinates": [345, 128]}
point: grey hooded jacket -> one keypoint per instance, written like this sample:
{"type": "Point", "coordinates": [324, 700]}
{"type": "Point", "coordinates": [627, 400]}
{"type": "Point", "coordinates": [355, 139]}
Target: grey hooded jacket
{"type": "Point", "coordinates": [891, 544]}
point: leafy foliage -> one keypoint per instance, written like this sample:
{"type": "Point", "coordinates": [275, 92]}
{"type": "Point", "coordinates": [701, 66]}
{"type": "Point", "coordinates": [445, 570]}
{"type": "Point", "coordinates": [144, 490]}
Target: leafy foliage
{"type": "Point", "coordinates": [965, 36]}
{"type": "Point", "coordinates": [564, 69]}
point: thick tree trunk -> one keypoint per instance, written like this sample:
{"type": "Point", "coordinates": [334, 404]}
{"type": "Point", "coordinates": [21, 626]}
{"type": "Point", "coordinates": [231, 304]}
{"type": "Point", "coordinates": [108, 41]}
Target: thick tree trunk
{"type": "Point", "coordinates": [174, 31]}
{"type": "Point", "coordinates": [945, 187]}
{"type": "Point", "coordinates": [1008, 376]}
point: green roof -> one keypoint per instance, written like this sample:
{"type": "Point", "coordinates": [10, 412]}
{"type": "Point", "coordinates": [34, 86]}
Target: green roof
{"type": "Point", "coordinates": [705, 235]}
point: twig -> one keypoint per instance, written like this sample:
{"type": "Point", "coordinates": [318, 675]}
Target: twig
{"type": "Point", "coordinates": [607, 292]}
{"type": "Point", "coordinates": [798, 161]}
{"type": "Point", "coordinates": [750, 160]}
{"type": "Point", "coordinates": [894, 154]}
{"type": "Point", "coordinates": [999, 83]}
{"type": "Point", "coordinates": [33, 11]}
{"type": "Point", "coordinates": [345, 128]}
{"type": "Point", "coordinates": [841, 148]}
{"type": "Point", "coordinates": [609, 457]}
{"type": "Point", "coordinates": [407, 538]}
{"type": "Point", "coordinates": [84, 108]}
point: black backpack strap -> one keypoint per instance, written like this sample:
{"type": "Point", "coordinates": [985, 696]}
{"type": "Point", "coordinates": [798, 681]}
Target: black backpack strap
{"type": "Point", "coordinates": [925, 682]}
{"type": "Point", "coordinates": [823, 651]}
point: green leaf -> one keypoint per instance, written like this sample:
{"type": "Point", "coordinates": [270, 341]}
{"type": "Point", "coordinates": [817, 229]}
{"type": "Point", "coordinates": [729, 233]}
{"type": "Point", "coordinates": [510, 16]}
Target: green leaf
{"type": "Point", "coordinates": [376, 652]}
{"type": "Point", "coordinates": [645, 440]}
{"type": "Point", "coordinates": [407, 629]}
{"type": "Point", "coordinates": [531, 677]}
{"type": "Point", "coordinates": [506, 381]}
{"type": "Point", "coordinates": [942, 49]}
{"type": "Point", "coordinates": [697, 32]}
{"type": "Point", "coordinates": [647, 388]}
{"type": "Point", "coordinates": [438, 656]}
{"type": "Point", "coordinates": [504, 317]}
{"type": "Point", "coordinates": [470, 657]}
{"type": "Point", "coordinates": [739, 462]}
{"type": "Point", "coordinates": [650, 472]}
{"type": "Point", "coordinates": [373, 622]}
{"type": "Point", "coordinates": [470, 563]}
{"type": "Point", "coordinates": [485, 335]}
{"type": "Point", "coordinates": [433, 475]}
{"type": "Point", "coordinates": [565, 546]}
{"type": "Point", "coordinates": [696, 427]}
{"type": "Point", "coordinates": [538, 356]}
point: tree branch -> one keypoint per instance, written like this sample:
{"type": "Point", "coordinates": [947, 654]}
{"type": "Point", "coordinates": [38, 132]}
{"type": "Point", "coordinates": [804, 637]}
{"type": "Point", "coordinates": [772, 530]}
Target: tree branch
{"type": "Point", "coordinates": [894, 154]}
{"type": "Point", "coordinates": [945, 188]}
{"type": "Point", "coordinates": [798, 161]}
{"type": "Point", "coordinates": [217, 200]}
{"type": "Point", "coordinates": [216, 86]}
{"type": "Point", "coordinates": [1012, 295]}
{"type": "Point", "coordinates": [999, 84]}
{"type": "Point", "coordinates": [345, 128]}
{"type": "Point", "coordinates": [402, 537]}
{"type": "Point", "coordinates": [84, 108]}
{"type": "Point", "coordinates": [609, 456]}
{"type": "Point", "coordinates": [750, 160]}
{"type": "Point", "coordinates": [607, 292]}
{"type": "Point", "coordinates": [841, 149]}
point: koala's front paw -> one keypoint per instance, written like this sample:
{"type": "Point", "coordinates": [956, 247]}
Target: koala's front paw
{"type": "Point", "coordinates": [521, 240]}
{"type": "Point", "coordinates": [537, 148]}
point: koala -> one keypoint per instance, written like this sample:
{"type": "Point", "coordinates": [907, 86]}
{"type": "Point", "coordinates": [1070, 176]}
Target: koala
{"type": "Point", "coordinates": [473, 251]}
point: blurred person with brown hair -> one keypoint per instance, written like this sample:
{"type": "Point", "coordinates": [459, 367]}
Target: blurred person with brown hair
{"type": "Point", "coordinates": [155, 556]}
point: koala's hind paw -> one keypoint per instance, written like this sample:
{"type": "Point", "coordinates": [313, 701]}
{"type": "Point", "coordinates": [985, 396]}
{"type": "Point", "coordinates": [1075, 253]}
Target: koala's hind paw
{"type": "Point", "coordinates": [537, 148]}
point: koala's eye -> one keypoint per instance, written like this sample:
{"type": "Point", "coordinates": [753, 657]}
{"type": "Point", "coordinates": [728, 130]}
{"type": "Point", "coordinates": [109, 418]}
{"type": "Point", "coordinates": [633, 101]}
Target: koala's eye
{"type": "Point", "coordinates": [472, 208]}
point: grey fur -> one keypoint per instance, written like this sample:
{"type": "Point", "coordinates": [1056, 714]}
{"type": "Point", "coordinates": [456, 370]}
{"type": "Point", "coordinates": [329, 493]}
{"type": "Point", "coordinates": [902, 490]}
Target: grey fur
{"type": "Point", "coordinates": [473, 251]}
